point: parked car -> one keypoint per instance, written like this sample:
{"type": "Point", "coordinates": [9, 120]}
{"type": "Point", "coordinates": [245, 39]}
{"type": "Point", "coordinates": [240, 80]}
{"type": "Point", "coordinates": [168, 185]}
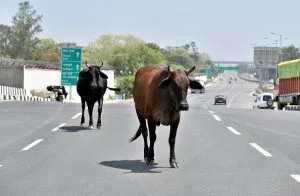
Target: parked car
{"type": "Point", "coordinates": [264, 101]}
{"type": "Point", "coordinates": [197, 86]}
{"type": "Point", "coordinates": [220, 99]}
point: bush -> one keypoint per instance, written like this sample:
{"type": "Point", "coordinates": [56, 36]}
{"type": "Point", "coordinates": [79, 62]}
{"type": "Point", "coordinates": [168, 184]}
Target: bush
{"type": "Point", "coordinates": [125, 83]}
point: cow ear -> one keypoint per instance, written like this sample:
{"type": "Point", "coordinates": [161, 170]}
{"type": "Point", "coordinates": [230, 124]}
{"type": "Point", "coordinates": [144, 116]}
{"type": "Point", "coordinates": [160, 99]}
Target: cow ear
{"type": "Point", "coordinates": [190, 70]}
{"type": "Point", "coordinates": [165, 82]}
{"type": "Point", "coordinates": [103, 75]}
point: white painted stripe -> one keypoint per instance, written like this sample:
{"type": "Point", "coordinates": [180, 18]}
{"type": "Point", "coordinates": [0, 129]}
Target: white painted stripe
{"type": "Point", "coordinates": [232, 100]}
{"type": "Point", "coordinates": [296, 177]}
{"type": "Point", "coordinates": [260, 149]}
{"type": "Point", "coordinates": [76, 115]}
{"type": "Point", "coordinates": [32, 144]}
{"type": "Point", "coordinates": [212, 112]}
{"type": "Point", "coordinates": [234, 131]}
{"type": "Point", "coordinates": [217, 117]}
{"type": "Point", "coordinates": [59, 126]}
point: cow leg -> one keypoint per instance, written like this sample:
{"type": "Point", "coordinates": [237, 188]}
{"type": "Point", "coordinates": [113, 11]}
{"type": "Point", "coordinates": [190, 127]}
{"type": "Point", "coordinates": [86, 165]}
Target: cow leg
{"type": "Point", "coordinates": [144, 131]}
{"type": "Point", "coordinates": [172, 138]}
{"type": "Point", "coordinates": [100, 104]}
{"type": "Point", "coordinates": [152, 128]}
{"type": "Point", "coordinates": [82, 110]}
{"type": "Point", "coordinates": [90, 108]}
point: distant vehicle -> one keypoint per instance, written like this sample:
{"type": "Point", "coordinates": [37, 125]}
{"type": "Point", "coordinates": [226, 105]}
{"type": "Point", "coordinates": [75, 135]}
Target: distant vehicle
{"type": "Point", "coordinates": [220, 99]}
{"type": "Point", "coordinates": [197, 86]}
{"type": "Point", "coordinates": [264, 101]}
{"type": "Point", "coordinates": [287, 88]}
{"type": "Point", "coordinates": [235, 79]}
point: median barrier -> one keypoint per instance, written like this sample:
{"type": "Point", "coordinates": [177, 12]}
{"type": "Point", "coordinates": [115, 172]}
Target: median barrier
{"type": "Point", "coordinates": [8, 93]}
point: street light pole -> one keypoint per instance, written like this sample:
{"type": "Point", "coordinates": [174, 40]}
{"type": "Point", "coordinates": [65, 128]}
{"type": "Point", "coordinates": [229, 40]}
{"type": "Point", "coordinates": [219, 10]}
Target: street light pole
{"type": "Point", "coordinates": [280, 44]}
{"type": "Point", "coordinates": [275, 40]}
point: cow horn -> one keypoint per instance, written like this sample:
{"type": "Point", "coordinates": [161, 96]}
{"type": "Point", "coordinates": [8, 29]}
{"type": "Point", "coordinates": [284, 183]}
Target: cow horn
{"type": "Point", "coordinates": [169, 67]}
{"type": "Point", "coordinates": [190, 70]}
{"type": "Point", "coordinates": [101, 64]}
{"type": "Point", "coordinates": [86, 64]}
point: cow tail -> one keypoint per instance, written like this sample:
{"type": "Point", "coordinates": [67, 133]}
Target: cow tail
{"type": "Point", "coordinates": [137, 134]}
{"type": "Point", "coordinates": [113, 89]}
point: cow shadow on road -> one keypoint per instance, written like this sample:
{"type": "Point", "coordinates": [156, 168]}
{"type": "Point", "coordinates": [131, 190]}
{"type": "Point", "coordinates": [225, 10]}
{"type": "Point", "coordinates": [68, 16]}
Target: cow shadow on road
{"type": "Point", "coordinates": [73, 128]}
{"type": "Point", "coordinates": [135, 166]}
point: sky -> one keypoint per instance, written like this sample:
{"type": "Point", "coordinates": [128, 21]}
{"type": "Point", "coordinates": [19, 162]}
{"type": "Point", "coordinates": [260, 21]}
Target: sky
{"type": "Point", "coordinates": [224, 29]}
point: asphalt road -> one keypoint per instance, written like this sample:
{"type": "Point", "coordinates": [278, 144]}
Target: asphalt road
{"type": "Point", "coordinates": [221, 149]}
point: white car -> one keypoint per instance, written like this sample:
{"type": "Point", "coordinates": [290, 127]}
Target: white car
{"type": "Point", "coordinates": [264, 101]}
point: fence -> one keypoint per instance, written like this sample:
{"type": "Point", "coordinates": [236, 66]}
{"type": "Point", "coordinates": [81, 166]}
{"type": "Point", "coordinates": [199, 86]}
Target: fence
{"type": "Point", "coordinates": [20, 94]}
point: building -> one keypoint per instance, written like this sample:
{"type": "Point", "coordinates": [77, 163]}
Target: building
{"type": "Point", "coordinates": [266, 60]}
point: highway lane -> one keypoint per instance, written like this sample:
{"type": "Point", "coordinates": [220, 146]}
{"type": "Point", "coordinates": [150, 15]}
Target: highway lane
{"type": "Point", "coordinates": [213, 159]}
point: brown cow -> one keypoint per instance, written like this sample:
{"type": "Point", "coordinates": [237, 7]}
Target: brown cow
{"type": "Point", "coordinates": [159, 95]}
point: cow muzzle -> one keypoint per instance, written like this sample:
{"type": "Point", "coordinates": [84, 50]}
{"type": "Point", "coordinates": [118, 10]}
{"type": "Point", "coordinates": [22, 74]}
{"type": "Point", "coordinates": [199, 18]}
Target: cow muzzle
{"type": "Point", "coordinates": [184, 106]}
{"type": "Point", "coordinates": [93, 85]}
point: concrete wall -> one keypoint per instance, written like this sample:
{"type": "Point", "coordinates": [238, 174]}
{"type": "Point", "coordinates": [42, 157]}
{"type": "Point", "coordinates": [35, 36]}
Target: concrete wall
{"type": "Point", "coordinates": [40, 78]}
{"type": "Point", "coordinates": [12, 76]}
{"type": "Point", "coordinates": [34, 78]}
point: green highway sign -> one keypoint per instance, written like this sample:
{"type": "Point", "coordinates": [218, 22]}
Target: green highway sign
{"type": "Point", "coordinates": [70, 65]}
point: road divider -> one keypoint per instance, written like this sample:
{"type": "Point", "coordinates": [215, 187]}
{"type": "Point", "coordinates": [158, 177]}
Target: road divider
{"type": "Point", "coordinates": [261, 150]}
{"type": "Point", "coordinates": [32, 144]}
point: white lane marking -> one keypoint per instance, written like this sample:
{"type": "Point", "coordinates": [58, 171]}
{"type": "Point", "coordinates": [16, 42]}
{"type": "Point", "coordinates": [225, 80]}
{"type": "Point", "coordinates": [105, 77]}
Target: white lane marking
{"type": "Point", "coordinates": [234, 131]}
{"type": "Point", "coordinates": [32, 144]}
{"type": "Point", "coordinates": [296, 177]}
{"type": "Point", "coordinates": [217, 117]}
{"type": "Point", "coordinates": [212, 112]}
{"type": "Point", "coordinates": [232, 100]}
{"type": "Point", "coordinates": [260, 149]}
{"type": "Point", "coordinates": [75, 116]}
{"type": "Point", "coordinates": [205, 104]}
{"type": "Point", "coordinates": [59, 126]}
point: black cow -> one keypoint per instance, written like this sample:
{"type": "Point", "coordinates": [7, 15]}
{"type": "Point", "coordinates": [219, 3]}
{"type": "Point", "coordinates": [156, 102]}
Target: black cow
{"type": "Point", "coordinates": [91, 86]}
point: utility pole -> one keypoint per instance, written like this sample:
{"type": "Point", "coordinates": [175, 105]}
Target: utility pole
{"type": "Point", "coordinates": [280, 44]}
{"type": "Point", "coordinates": [260, 73]}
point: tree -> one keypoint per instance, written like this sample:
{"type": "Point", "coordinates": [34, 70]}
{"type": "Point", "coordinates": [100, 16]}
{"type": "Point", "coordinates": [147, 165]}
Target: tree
{"type": "Point", "coordinates": [178, 56]}
{"type": "Point", "coordinates": [125, 83]}
{"type": "Point", "coordinates": [24, 30]}
{"type": "Point", "coordinates": [5, 31]}
{"type": "Point", "coordinates": [125, 53]}
{"type": "Point", "coordinates": [290, 53]}
{"type": "Point", "coordinates": [48, 50]}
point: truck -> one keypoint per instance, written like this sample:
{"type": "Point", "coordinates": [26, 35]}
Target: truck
{"type": "Point", "coordinates": [287, 85]}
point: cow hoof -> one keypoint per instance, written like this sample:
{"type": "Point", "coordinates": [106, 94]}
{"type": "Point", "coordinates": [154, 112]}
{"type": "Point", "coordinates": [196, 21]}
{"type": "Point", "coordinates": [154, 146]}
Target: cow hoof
{"type": "Point", "coordinates": [145, 159]}
{"type": "Point", "coordinates": [174, 164]}
{"type": "Point", "coordinates": [98, 126]}
{"type": "Point", "coordinates": [150, 162]}
{"type": "Point", "coordinates": [91, 127]}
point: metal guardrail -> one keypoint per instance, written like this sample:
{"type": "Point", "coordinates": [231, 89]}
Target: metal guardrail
{"type": "Point", "coordinates": [292, 107]}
